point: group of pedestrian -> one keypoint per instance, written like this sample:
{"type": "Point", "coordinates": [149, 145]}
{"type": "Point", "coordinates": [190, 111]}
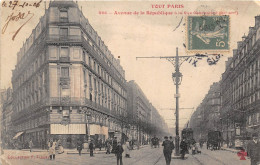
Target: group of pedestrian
{"type": "Point", "coordinates": [168, 146]}
{"type": "Point", "coordinates": [90, 146]}
{"type": "Point", "coordinates": [54, 146]}
{"type": "Point", "coordinates": [119, 151]}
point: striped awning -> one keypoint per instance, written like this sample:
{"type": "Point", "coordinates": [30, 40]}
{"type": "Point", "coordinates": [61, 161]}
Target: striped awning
{"type": "Point", "coordinates": [17, 135]}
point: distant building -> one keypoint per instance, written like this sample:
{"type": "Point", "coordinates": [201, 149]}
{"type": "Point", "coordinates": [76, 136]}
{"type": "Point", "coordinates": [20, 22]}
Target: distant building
{"type": "Point", "coordinates": [142, 115]}
{"type": "Point", "coordinates": [240, 86]}
{"type": "Point", "coordinates": [65, 78]}
{"type": "Point", "coordinates": [7, 131]}
{"type": "Point", "coordinates": [207, 115]}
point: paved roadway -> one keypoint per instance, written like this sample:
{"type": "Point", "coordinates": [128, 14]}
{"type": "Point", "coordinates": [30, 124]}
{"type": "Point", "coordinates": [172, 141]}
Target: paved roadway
{"type": "Point", "coordinates": [143, 156]}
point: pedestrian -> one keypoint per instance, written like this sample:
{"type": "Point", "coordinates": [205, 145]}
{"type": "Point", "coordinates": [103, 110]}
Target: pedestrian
{"type": "Point", "coordinates": [43, 144]}
{"type": "Point", "coordinates": [60, 148]}
{"type": "Point", "coordinates": [79, 146]}
{"type": "Point", "coordinates": [114, 144]}
{"type": "Point", "coordinates": [118, 152]}
{"type": "Point", "coordinates": [48, 144]}
{"type": "Point", "coordinates": [253, 150]}
{"type": "Point", "coordinates": [30, 145]}
{"type": "Point", "coordinates": [126, 148]}
{"type": "Point", "coordinates": [168, 146]}
{"type": "Point", "coordinates": [91, 148]}
{"type": "Point", "coordinates": [54, 144]}
{"type": "Point", "coordinates": [108, 147]}
{"type": "Point", "coordinates": [52, 150]}
{"type": "Point", "coordinates": [171, 139]}
{"type": "Point", "coordinates": [100, 144]}
{"type": "Point", "coordinates": [184, 148]}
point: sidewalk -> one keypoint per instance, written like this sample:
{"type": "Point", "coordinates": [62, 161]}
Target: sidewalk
{"type": "Point", "coordinates": [230, 149]}
{"type": "Point", "coordinates": [74, 150]}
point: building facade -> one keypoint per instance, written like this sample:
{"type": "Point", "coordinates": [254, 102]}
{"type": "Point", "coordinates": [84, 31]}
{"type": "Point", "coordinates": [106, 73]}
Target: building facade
{"type": "Point", "coordinates": [143, 117]}
{"type": "Point", "coordinates": [207, 115]}
{"type": "Point", "coordinates": [7, 131]}
{"type": "Point", "coordinates": [240, 86]}
{"type": "Point", "coordinates": [66, 84]}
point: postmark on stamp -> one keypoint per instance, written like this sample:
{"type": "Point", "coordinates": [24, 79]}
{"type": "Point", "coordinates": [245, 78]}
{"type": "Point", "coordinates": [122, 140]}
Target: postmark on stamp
{"type": "Point", "coordinates": [206, 33]}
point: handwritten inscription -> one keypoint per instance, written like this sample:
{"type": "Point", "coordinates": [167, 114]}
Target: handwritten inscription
{"type": "Point", "coordinates": [14, 4]}
{"type": "Point", "coordinates": [18, 16]}
{"type": "Point", "coordinates": [15, 18]}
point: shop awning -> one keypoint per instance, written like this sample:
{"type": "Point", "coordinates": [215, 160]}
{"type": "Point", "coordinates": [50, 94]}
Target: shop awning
{"type": "Point", "coordinates": [17, 135]}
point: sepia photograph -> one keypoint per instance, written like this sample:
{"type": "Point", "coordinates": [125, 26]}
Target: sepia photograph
{"type": "Point", "coordinates": [130, 82]}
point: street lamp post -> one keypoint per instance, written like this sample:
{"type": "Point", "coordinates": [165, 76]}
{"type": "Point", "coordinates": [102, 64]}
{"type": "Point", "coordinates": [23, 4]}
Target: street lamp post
{"type": "Point", "coordinates": [88, 114]}
{"type": "Point", "coordinates": [177, 77]}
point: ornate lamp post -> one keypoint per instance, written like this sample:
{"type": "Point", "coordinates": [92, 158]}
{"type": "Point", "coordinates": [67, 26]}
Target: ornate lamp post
{"type": "Point", "coordinates": [88, 115]}
{"type": "Point", "coordinates": [177, 78]}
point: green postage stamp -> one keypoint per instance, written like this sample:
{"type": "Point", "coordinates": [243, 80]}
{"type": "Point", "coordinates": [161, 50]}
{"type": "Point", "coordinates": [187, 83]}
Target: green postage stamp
{"type": "Point", "coordinates": [206, 33]}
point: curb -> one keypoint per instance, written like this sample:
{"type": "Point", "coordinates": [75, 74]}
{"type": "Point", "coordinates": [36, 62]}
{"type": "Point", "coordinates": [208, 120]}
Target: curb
{"type": "Point", "coordinates": [75, 152]}
{"type": "Point", "coordinates": [233, 151]}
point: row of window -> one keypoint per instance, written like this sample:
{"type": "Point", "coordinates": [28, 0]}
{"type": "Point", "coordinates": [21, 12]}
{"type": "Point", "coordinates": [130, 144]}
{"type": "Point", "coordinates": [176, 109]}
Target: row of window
{"type": "Point", "coordinates": [246, 88]}
{"type": "Point", "coordinates": [98, 91]}
{"type": "Point", "coordinates": [84, 23]}
{"type": "Point", "coordinates": [29, 71]}
{"type": "Point", "coordinates": [32, 92]}
{"type": "Point", "coordinates": [32, 123]}
{"type": "Point", "coordinates": [247, 46]}
{"type": "Point", "coordinates": [99, 70]}
{"type": "Point", "coordinates": [31, 40]}
{"type": "Point", "coordinates": [253, 119]}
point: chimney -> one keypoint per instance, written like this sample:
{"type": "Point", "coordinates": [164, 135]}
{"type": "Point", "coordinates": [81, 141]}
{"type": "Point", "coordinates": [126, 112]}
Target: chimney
{"type": "Point", "coordinates": [244, 37]}
{"type": "Point", "coordinates": [257, 21]}
{"type": "Point", "coordinates": [251, 29]}
{"type": "Point", "coordinates": [239, 44]}
{"type": "Point", "coordinates": [234, 52]}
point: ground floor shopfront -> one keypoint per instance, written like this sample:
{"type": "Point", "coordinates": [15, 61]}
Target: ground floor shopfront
{"type": "Point", "coordinates": [67, 135]}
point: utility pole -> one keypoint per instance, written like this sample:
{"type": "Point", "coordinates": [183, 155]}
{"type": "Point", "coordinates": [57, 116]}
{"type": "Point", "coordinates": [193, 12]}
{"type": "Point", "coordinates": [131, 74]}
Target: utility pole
{"type": "Point", "coordinates": [177, 78]}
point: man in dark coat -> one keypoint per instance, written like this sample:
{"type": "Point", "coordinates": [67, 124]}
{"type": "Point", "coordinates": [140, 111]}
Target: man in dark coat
{"type": "Point", "coordinates": [91, 148]}
{"type": "Point", "coordinates": [184, 148]}
{"type": "Point", "coordinates": [168, 146]}
{"type": "Point", "coordinates": [79, 146]}
{"type": "Point", "coordinates": [114, 144]}
{"type": "Point", "coordinates": [118, 152]}
{"type": "Point", "coordinates": [253, 150]}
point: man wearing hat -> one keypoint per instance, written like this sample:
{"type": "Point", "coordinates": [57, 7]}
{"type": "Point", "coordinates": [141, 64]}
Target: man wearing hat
{"type": "Point", "coordinates": [168, 146]}
{"type": "Point", "coordinates": [253, 150]}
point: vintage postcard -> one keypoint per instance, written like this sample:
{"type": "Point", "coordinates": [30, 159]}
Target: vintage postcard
{"type": "Point", "coordinates": [130, 82]}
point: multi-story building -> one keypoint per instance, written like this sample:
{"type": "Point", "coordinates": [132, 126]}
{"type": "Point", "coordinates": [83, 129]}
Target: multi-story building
{"type": "Point", "coordinates": [139, 111]}
{"type": "Point", "coordinates": [66, 79]}
{"type": "Point", "coordinates": [142, 115]}
{"type": "Point", "coordinates": [158, 124]}
{"type": "Point", "coordinates": [7, 131]}
{"type": "Point", "coordinates": [207, 115]}
{"type": "Point", "coordinates": [241, 88]}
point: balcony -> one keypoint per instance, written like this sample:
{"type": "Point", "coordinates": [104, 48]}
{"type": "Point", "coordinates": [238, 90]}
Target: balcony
{"type": "Point", "coordinates": [72, 101]}
{"type": "Point", "coordinates": [64, 59]}
{"type": "Point", "coordinates": [63, 38]}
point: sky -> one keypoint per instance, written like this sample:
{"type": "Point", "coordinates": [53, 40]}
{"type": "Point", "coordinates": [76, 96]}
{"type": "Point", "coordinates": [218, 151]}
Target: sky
{"type": "Point", "coordinates": [136, 35]}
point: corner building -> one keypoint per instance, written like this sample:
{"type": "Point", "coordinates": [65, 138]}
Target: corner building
{"type": "Point", "coordinates": [67, 84]}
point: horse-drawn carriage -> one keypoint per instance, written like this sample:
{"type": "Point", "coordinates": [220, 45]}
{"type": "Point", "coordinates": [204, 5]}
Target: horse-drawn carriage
{"type": "Point", "coordinates": [214, 140]}
{"type": "Point", "coordinates": [187, 134]}
{"type": "Point", "coordinates": [154, 142]}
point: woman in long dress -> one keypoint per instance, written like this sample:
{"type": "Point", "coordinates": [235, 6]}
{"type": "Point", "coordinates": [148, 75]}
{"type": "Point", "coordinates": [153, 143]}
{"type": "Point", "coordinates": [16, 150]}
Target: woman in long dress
{"type": "Point", "coordinates": [52, 150]}
{"type": "Point", "coordinates": [126, 148]}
